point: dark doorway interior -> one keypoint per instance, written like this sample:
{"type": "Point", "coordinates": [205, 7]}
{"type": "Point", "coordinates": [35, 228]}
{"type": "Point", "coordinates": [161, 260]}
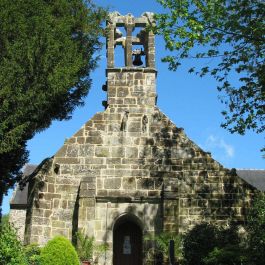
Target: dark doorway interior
{"type": "Point", "coordinates": [127, 243]}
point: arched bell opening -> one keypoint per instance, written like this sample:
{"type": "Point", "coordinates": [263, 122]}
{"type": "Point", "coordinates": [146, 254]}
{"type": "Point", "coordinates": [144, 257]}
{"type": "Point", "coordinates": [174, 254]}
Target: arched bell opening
{"type": "Point", "coordinates": [130, 32]}
{"type": "Point", "coordinates": [127, 241]}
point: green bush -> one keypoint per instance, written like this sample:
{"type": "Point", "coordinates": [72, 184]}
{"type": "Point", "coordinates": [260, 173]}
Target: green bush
{"type": "Point", "coordinates": [256, 231]}
{"type": "Point", "coordinates": [32, 253]}
{"type": "Point", "coordinates": [11, 249]}
{"type": "Point", "coordinates": [206, 244]}
{"type": "Point", "coordinates": [228, 255]}
{"type": "Point", "coordinates": [160, 247]}
{"type": "Point", "coordinates": [5, 220]}
{"type": "Point", "coordinates": [59, 251]}
{"type": "Point", "coordinates": [199, 242]}
{"type": "Point", "coordinates": [86, 247]}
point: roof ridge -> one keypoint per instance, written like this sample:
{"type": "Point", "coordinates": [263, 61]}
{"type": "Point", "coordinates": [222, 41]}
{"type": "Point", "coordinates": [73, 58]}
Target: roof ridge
{"type": "Point", "coordinates": [250, 169]}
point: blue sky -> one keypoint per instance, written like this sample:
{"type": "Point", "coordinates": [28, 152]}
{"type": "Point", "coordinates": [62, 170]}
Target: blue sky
{"type": "Point", "coordinates": [189, 101]}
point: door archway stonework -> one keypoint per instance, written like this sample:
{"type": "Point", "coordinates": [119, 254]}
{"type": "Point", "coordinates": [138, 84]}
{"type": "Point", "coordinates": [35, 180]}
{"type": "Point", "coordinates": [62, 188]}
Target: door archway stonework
{"type": "Point", "coordinates": [110, 215]}
{"type": "Point", "coordinates": [127, 241]}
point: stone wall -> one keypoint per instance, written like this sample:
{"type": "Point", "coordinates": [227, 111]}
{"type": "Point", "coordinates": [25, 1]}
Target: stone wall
{"type": "Point", "coordinates": [17, 218]}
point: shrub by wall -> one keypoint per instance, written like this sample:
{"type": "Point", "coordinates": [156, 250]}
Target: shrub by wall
{"type": "Point", "coordinates": [256, 230]}
{"type": "Point", "coordinates": [198, 243]}
{"type": "Point", "coordinates": [59, 251]}
{"type": "Point", "coordinates": [207, 244]}
{"type": "Point", "coordinates": [11, 250]}
{"type": "Point", "coordinates": [32, 253]}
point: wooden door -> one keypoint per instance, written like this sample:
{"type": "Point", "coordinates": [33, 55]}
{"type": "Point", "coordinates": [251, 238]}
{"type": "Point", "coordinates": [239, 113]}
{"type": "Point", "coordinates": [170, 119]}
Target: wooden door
{"type": "Point", "coordinates": [127, 244]}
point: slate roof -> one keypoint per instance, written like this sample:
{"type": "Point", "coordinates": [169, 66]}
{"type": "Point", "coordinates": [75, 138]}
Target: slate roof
{"type": "Point", "coordinates": [29, 168]}
{"type": "Point", "coordinates": [20, 197]}
{"type": "Point", "coordinates": [254, 177]}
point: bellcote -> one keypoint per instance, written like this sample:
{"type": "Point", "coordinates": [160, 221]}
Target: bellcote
{"type": "Point", "coordinates": [144, 38]}
{"type": "Point", "coordinates": [133, 85]}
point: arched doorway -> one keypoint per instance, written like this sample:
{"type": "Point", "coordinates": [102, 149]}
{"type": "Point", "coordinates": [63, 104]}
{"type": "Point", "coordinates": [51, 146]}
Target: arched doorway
{"type": "Point", "coordinates": [127, 242]}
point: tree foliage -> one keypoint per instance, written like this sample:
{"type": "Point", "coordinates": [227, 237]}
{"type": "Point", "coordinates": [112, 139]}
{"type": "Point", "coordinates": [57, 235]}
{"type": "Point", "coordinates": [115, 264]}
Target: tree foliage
{"type": "Point", "coordinates": [256, 230]}
{"type": "Point", "coordinates": [228, 255]}
{"type": "Point", "coordinates": [233, 33]}
{"type": "Point", "coordinates": [199, 242]}
{"type": "Point", "coordinates": [46, 55]}
{"type": "Point", "coordinates": [11, 249]}
{"type": "Point", "coordinates": [5, 220]}
{"type": "Point", "coordinates": [209, 244]}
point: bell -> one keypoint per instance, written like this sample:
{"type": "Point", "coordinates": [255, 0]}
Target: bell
{"type": "Point", "coordinates": [137, 57]}
{"type": "Point", "coordinates": [137, 60]}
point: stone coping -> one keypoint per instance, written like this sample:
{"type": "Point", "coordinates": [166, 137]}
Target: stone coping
{"type": "Point", "coordinates": [127, 199]}
{"type": "Point", "coordinates": [131, 69]}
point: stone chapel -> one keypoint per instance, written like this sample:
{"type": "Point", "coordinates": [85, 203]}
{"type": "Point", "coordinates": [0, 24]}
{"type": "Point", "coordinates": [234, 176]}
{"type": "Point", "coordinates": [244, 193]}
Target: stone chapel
{"type": "Point", "coordinates": [129, 170]}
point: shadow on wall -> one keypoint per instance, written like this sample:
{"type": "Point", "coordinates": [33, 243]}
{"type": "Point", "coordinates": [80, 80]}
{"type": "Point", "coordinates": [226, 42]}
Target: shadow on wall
{"type": "Point", "coordinates": [75, 219]}
{"type": "Point", "coordinates": [201, 189]}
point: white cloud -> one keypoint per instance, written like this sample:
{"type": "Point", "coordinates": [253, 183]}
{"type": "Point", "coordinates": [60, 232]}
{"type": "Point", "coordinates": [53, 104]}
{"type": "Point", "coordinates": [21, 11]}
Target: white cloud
{"type": "Point", "coordinates": [215, 142]}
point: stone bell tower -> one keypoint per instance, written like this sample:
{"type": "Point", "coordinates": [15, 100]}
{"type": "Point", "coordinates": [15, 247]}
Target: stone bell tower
{"type": "Point", "coordinates": [132, 85]}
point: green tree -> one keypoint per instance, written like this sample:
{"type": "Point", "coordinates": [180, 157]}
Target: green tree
{"type": "Point", "coordinates": [11, 249]}
{"type": "Point", "coordinates": [46, 55]}
{"type": "Point", "coordinates": [5, 220]}
{"type": "Point", "coordinates": [59, 251]}
{"type": "Point", "coordinates": [256, 230]}
{"type": "Point", "coordinates": [233, 33]}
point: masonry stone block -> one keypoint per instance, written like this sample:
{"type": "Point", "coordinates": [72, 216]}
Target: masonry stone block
{"type": "Point", "coordinates": [94, 140]}
{"type": "Point", "coordinates": [122, 92]}
{"type": "Point", "coordinates": [90, 213]}
{"type": "Point", "coordinates": [117, 151]}
{"type": "Point", "coordinates": [87, 193]}
{"type": "Point", "coordinates": [66, 160]}
{"type": "Point", "coordinates": [62, 151]}
{"type": "Point", "coordinates": [86, 150]}
{"type": "Point", "coordinates": [131, 152]}
{"type": "Point", "coordinates": [129, 183]}
{"type": "Point", "coordinates": [72, 150]}
{"type": "Point", "coordinates": [112, 183]}
{"type": "Point", "coordinates": [88, 202]}
{"type": "Point", "coordinates": [145, 183]}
